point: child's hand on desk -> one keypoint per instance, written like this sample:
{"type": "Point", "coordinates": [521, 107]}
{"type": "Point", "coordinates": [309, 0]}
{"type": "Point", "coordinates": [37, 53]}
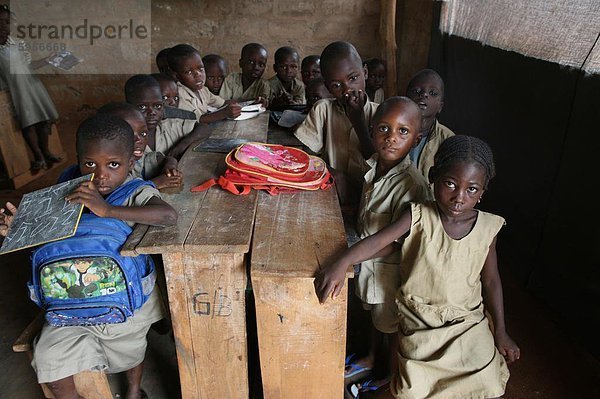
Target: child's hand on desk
{"type": "Point", "coordinates": [6, 219]}
{"type": "Point", "coordinates": [168, 179]}
{"type": "Point", "coordinates": [330, 281]}
{"type": "Point", "coordinates": [263, 101]}
{"type": "Point", "coordinates": [88, 195]}
{"type": "Point", "coordinates": [233, 110]}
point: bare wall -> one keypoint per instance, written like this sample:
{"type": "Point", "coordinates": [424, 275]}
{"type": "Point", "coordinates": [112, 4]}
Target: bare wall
{"type": "Point", "coordinates": [224, 26]}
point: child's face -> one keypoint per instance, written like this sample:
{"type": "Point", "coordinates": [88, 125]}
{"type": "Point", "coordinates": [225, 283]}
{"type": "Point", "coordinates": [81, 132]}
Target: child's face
{"type": "Point", "coordinates": [253, 64]}
{"type": "Point", "coordinates": [215, 75]}
{"type": "Point", "coordinates": [170, 94]}
{"type": "Point", "coordinates": [311, 70]}
{"type": "Point", "coordinates": [458, 189]}
{"type": "Point", "coordinates": [394, 132]}
{"type": "Point", "coordinates": [345, 76]}
{"type": "Point", "coordinates": [191, 72]}
{"type": "Point", "coordinates": [376, 77]}
{"type": "Point", "coordinates": [140, 133]}
{"type": "Point", "coordinates": [316, 92]}
{"type": "Point", "coordinates": [149, 101]}
{"type": "Point", "coordinates": [287, 68]}
{"type": "Point", "coordinates": [109, 163]}
{"type": "Point", "coordinates": [427, 92]}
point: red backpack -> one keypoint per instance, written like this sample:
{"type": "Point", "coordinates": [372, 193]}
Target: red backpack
{"type": "Point", "coordinates": [271, 167]}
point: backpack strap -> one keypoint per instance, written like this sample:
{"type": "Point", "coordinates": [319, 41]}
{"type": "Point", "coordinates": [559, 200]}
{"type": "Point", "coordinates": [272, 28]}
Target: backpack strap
{"type": "Point", "coordinates": [225, 184]}
{"type": "Point", "coordinates": [124, 191]}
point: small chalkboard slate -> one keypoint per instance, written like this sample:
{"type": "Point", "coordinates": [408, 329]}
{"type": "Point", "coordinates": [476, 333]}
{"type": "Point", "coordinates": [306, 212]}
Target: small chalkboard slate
{"type": "Point", "coordinates": [44, 216]}
{"type": "Point", "coordinates": [218, 145]}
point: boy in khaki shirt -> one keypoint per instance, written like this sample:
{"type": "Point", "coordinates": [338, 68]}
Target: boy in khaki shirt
{"type": "Point", "coordinates": [338, 127]}
{"type": "Point", "coordinates": [248, 84]}
{"type": "Point", "coordinates": [286, 88]}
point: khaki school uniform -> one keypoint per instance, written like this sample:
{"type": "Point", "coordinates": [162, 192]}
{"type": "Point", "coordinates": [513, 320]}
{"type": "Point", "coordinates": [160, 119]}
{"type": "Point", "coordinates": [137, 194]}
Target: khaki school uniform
{"type": "Point", "coordinates": [446, 348]}
{"type": "Point", "coordinates": [381, 204]}
{"type": "Point", "coordinates": [434, 140]}
{"type": "Point", "coordinates": [149, 165]}
{"type": "Point", "coordinates": [379, 96]}
{"type": "Point", "coordinates": [198, 101]}
{"type": "Point", "coordinates": [170, 131]}
{"type": "Point", "coordinates": [233, 88]}
{"type": "Point", "coordinates": [60, 352]}
{"type": "Point", "coordinates": [328, 130]}
{"type": "Point", "coordinates": [296, 91]}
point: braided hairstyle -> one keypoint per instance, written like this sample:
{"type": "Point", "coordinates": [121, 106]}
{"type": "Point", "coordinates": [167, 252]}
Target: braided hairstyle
{"type": "Point", "coordinates": [460, 148]}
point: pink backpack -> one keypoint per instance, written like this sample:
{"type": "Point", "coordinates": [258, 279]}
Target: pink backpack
{"type": "Point", "coordinates": [271, 167]}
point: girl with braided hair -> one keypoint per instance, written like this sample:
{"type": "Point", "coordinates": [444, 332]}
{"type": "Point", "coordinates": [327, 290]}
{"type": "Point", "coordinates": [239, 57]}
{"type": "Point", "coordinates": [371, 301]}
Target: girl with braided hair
{"type": "Point", "coordinates": [449, 281]}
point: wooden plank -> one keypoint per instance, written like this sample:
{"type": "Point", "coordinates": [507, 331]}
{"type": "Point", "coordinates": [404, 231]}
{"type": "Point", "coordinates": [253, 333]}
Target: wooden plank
{"type": "Point", "coordinates": [24, 342]}
{"type": "Point", "coordinates": [387, 33]}
{"type": "Point", "coordinates": [283, 136]}
{"type": "Point", "coordinates": [93, 385]}
{"type": "Point", "coordinates": [301, 343]}
{"type": "Point", "coordinates": [290, 237]}
{"type": "Point", "coordinates": [128, 249]}
{"type": "Point", "coordinates": [206, 298]}
{"type": "Point", "coordinates": [254, 129]}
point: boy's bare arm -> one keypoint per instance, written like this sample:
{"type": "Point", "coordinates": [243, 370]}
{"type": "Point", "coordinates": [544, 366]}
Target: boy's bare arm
{"type": "Point", "coordinates": [354, 104]}
{"type": "Point", "coordinates": [493, 300]}
{"type": "Point", "coordinates": [155, 212]}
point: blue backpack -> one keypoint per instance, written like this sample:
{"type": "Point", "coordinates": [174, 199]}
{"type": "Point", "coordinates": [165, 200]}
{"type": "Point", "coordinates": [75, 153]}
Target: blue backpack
{"type": "Point", "coordinates": [83, 280]}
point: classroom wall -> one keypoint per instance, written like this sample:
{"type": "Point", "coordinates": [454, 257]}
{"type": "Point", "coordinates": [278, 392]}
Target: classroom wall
{"type": "Point", "coordinates": [224, 26]}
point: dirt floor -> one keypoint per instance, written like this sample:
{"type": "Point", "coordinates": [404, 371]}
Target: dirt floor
{"type": "Point", "coordinates": [552, 365]}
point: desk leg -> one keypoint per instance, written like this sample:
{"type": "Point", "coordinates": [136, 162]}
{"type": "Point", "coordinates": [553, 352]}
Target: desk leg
{"type": "Point", "coordinates": [301, 343]}
{"type": "Point", "coordinates": [206, 298]}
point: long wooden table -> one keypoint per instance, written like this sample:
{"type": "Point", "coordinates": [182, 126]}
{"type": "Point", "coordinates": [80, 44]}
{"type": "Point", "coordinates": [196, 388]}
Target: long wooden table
{"type": "Point", "coordinates": [205, 257]}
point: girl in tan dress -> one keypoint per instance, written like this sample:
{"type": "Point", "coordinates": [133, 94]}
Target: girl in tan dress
{"type": "Point", "coordinates": [449, 271]}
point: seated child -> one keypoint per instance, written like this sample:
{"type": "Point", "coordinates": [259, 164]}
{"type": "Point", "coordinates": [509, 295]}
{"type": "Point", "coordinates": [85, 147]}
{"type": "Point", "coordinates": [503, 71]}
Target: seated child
{"type": "Point", "coordinates": [338, 127]}
{"type": "Point", "coordinates": [248, 84]}
{"type": "Point", "coordinates": [315, 91]}
{"type": "Point", "coordinates": [104, 146]}
{"type": "Point", "coordinates": [389, 186]}
{"type": "Point", "coordinates": [170, 136]}
{"type": "Point", "coordinates": [161, 61]}
{"type": "Point", "coordinates": [216, 70]}
{"type": "Point", "coordinates": [377, 71]}
{"type": "Point", "coordinates": [170, 95]}
{"type": "Point", "coordinates": [426, 88]}
{"type": "Point", "coordinates": [149, 165]}
{"type": "Point", "coordinates": [186, 63]}
{"type": "Point", "coordinates": [310, 68]}
{"type": "Point", "coordinates": [449, 283]}
{"type": "Point", "coordinates": [286, 89]}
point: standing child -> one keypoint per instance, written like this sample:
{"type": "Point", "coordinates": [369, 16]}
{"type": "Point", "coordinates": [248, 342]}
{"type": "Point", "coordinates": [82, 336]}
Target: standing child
{"type": "Point", "coordinates": [448, 280]}
{"type": "Point", "coordinates": [286, 89]}
{"type": "Point", "coordinates": [170, 136]}
{"type": "Point", "coordinates": [426, 88]}
{"type": "Point", "coordinates": [310, 68]}
{"type": "Point", "coordinates": [33, 106]}
{"type": "Point", "coordinates": [149, 165]}
{"type": "Point", "coordinates": [377, 71]}
{"type": "Point", "coordinates": [339, 126]}
{"type": "Point", "coordinates": [248, 84]}
{"type": "Point", "coordinates": [104, 146]}
{"type": "Point", "coordinates": [186, 63]}
{"type": "Point", "coordinates": [390, 185]}
{"type": "Point", "coordinates": [216, 70]}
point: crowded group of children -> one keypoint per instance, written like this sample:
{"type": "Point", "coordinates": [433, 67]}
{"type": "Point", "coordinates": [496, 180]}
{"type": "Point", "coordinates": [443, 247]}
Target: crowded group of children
{"type": "Point", "coordinates": [428, 273]}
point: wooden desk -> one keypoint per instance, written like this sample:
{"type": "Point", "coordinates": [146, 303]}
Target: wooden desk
{"type": "Point", "coordinates": [301, 343]}
{"type": "Point", "coordinates": [15, 154]}
{"type": "Point", "coordinates": [204, 261]}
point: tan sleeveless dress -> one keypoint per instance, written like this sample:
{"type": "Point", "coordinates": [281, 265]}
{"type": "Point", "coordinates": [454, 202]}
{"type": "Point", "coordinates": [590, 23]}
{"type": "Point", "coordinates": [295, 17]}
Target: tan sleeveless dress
{"type": "Point", "coordinates": [446, 347]}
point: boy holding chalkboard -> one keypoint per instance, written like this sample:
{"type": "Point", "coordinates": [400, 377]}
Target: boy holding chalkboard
{"type": "Point", "coordinates": [104, 146]}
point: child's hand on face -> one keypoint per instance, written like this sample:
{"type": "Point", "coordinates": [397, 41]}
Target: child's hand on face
{"type": "Point", "coordinates": [354, 102]}
{"type": "Point", "coordinates": [507, 347]}
{"type": "Point", "coordinates": [88, 195]}
{"type": "Point", "coordinates": [6, 219]}
{"type": "Point", "coordinates": [233, 110]}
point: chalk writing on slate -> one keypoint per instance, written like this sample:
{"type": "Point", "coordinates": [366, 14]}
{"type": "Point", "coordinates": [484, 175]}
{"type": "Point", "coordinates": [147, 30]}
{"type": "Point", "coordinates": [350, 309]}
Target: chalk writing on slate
{"type": "Point", "coordinates": [44, 216]}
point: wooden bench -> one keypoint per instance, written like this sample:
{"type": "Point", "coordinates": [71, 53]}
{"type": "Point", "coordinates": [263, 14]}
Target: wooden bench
{"type": "Point", "coordinates": [301, 343]}
{"type": "Point", "coordinates": [15, 154]}
{"type": "Point", "coordinates": [89, 384]}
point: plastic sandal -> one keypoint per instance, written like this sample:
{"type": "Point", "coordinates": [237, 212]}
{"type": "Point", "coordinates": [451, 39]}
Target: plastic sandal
{"type": "Point", "coordinates": [365, 386]}
{"type": "Point", "coordinates": [352, 368]}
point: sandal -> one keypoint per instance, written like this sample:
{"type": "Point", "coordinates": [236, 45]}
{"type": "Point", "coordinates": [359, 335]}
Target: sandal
{"type": "Point", "coordinates": [365, 386]}
{"type": "Point", "coordinates": [351, 368]}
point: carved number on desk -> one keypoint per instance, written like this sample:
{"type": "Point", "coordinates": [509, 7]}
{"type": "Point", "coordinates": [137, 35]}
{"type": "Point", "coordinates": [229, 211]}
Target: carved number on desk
{"type": "Point", "coordinates": [221, 304]}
